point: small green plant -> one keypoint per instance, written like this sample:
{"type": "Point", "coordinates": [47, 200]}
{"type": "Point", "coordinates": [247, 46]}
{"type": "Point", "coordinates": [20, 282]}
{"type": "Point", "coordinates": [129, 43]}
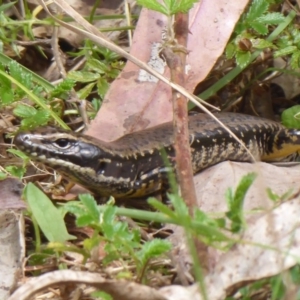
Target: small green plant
{"type": "Point", "coordinates": [36, 101]}
{"type": "Point", "coordinates": [11, 29]}
{"type": "Point", "coordinates": [99, 71]}
{"type": "Point", "coordinates": [250, 32]}
{"type": "Point", "coordinates": [52, 223]}
{"type": "Point", "coordinates": [279, 198]}
{"type": "Point", "coordinates": [168, 7]}
{"type": "Point", "coordinates": [291, 117]}
{"type": "Point", "coordinates": [276, 286]}
{"type": "Point", "coordinates": [235, 202]}
{"type": "Point", "coordinates": [121, 243]}
{"type": "Point", "coordinates": [18, 84]}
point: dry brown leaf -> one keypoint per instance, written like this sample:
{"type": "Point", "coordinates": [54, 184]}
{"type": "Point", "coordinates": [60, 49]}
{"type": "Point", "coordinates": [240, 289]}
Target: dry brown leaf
{"type": "Point", "coordinates": [177, 292]}
{"type": "Point", "coordinates": [129, 101]}
{"type": "Point", "coordinates": [10, 194]}
{"type": "Point", "coordinates": [211, 25]}
{"type": "Point", "coordinates": [12, 251]}
{"type": "Point", "coordinates": [271, 241]}
{"type": "Point", "coordinates": [270, 245]}
{"type": "Point", "coordinates": [212, 184]}
{"type": "Point", "coordinates": [12, 244]}
{"type": "Point", "coordinates": [135, 102]}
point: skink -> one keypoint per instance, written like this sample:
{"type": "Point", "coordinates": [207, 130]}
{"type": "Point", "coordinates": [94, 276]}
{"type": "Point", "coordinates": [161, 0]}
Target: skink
{"type": "Point", "coordinates": [133, 165]}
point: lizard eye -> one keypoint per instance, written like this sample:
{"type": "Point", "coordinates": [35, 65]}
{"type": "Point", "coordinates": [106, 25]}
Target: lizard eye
{"type": "Point", "coordinates": [62, 143]}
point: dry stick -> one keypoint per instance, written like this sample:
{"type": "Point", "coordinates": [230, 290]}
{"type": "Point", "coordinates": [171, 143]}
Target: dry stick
{"type": "Point", "coordinates": [180, 121]}
{"type": "Point", "coordinates": [181, 137]}
{"type": "Point", "coordinates": [118, 289]}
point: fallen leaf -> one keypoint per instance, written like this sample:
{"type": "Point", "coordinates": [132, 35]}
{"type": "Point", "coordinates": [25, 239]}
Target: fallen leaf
{"type": "Point", "coordinates": [271, 242]}
{"type": "Point", "coordinates": [12, 243]}
{"type": "Point", "coordinates": [135, 101]}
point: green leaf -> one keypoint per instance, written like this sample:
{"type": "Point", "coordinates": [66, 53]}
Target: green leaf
{"type": "Point", "coordinates": [205, 219]}
{"type": "Point", "coordinates": [97, 65]}
{"type": "Point", "coordinates": [180, 206]}
{"type": "Point", "coordinates": [290, 117]}
{"type": "Point", "coordinates": [158, 205]}
{"type": "Point", "coordinates": [101, 295]}
{"type": "Point", "coordinates": [285, 51]}
{"type": "Point", "coordinates": [262, 44]}
{"type": "Point", "coordinates": [296, 35]}
{"type": "Point", "coordinates": [109, 215]}
{"type": "Point", "coordinates": [91, 243]}
{"type": "Point", "coordinates": [86, 211]}
{"type": "Point", "coordinates": [47, 215]}
{"type": "Point", "coordinates": [64, 87]}
{"type": "Point", "coordinates": [235, 213]}
{"type": "Point", "coordinates": [257, 9]}
{"type": "Point", "coordinates": [152, 249]}
{"type": "Point", "coordinates": [109, 56]}
{"type": "Point", "coordinates": [6, 6]}
{"type": "Point", "coordinates": [112, 73]}
{"type": "Point", "coordinates": [83, 76]}
{"type": "Point", "coordinates": [84, 92]}
{"type": "Point", "coordinates": [5, 60]}
{"type": "Point", "coordinates": [272, 196]}
{"type": "Point", "coordinates": [229, 195]}
{"type": "Point", "coordinates": [75, 208]}
{"type": "Point", "coordinates": [271, 19]}
{"type": "Point", "coordinates": [102, 87]}
{"type": "Point", "coordinates": [169, 7]}
{"type": "Point", "coordinates": [284, 41]}
{"type": "Point", "coordinates": [16, 171]}
{"type": "Point", "coordinates": [153, 5]}
{"type": "Point", "coordinates": [6, 91]}
{"type": "Point", "coordinates": [295, 60]}
{"type": "Point", "coordinates": [19, 153]}
{"type": "Point", "coordinates": [96, 104]}
{"type": "Point", "coordinates": [3, 176]}
{"type": "Point", "coordinates": [230, 50]}
{"type": "Point", "coordinates": [259, 27]}
{"type": "Point", "coordinates": [241, 190]}
{"type": "Point", "coordinates": [91, 206]}
{"type": "Point", "coordinates": [41, 118]}
{"type": "Point", "coordinates": [24, 111]}
{"type": "Point", "coordinates": [208, 234]}
{"type": "Point", "coordinates": [183, 6]}
{"type": "Point", "coordinates": [243, 58]}
{"type": "Point", "coordinates": [84, 220]}
{"type": "Point", "coordinates": [18, 74]}
{"type": "Point", "coordinates": [278, 287]}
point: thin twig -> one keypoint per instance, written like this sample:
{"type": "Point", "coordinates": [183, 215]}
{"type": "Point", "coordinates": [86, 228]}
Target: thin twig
{"type": "Point", "coordinates": [182, 147]}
